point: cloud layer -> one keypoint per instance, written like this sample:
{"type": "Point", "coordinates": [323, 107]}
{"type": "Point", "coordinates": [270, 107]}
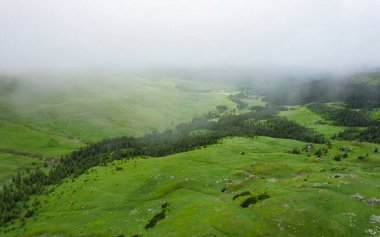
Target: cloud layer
{"type": "Point", "coordinates": [75, 34]}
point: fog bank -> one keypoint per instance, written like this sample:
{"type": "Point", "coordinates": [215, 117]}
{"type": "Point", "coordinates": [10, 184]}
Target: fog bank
{"type": "Point", "coordinates": [325, 35]}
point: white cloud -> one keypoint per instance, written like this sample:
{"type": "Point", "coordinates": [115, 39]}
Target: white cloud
{"type": "Point", "coordinates": [55, 34]}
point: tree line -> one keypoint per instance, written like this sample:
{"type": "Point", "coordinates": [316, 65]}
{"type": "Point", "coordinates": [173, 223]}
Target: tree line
{"type": "Point", "coordinates": [15, 197]}
{"type": "Point", "coordinates": [371, 134]}
{"type": "Point", "coordinates": [343, 116]}
{"type": "Point", "coordinates": [355, 94]}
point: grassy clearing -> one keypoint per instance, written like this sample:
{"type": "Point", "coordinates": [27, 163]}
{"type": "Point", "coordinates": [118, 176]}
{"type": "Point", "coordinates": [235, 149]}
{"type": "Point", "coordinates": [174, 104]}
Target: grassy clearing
{"type": "Point", "coordinates": [307, 118]}
{"type": "Point", "coordinates": [375, 114]}
{"type": "Point", "coordinates": [308, 196]}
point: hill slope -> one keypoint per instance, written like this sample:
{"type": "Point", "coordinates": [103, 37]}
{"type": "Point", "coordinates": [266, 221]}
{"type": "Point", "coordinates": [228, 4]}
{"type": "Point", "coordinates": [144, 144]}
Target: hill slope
{"type": "Point", "coordinates": [297, 195]}
{"type": "Point", "coordinates": [46, 117]}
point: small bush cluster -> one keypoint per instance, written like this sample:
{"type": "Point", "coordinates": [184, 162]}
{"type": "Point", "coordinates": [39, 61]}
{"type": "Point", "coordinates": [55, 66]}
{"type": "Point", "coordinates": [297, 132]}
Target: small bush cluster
{"type": "Point", "coordinates": [295, 151]}
{"type": "Point", "coordinates": [249, 201]}
{"type": "Point", "coordinates": [338, 157]}
{"type": "Point", "coordinates": [159, 216]}
{"type": "Point", "coordinates": [252, 200]}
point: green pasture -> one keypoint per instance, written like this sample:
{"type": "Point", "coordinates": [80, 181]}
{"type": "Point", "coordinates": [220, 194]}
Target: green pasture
{"type": "Point", "coordinates": [308, 196]}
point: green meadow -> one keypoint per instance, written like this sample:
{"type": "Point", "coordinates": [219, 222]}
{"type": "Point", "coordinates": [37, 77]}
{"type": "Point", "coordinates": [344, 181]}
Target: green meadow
{"type": "Point", "coordinates": [45, 118]}
{"type": "Point", "coordinates": [307, 196]}
{"type": "Point", "coordinates": [238, 187]}
{"type": "Point", "coordinates": [91, 109]}
{"type": "Point", "coordinates": [309, 119]}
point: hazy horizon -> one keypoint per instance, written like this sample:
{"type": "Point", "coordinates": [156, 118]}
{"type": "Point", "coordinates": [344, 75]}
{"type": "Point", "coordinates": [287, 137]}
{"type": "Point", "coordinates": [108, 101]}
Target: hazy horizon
{"type": "Point", "coordinates": [320, 36]}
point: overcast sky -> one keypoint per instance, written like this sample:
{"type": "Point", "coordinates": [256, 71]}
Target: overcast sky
{"type": "Point", "coordinates": [76, 34]}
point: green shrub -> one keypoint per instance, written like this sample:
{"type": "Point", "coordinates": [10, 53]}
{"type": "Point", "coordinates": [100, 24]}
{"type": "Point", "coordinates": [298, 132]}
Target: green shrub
{"type": "Point", "coordinates": [337, 157]}
{"type": "Point", "coordinates": [155, 219]}
{"type": "Point", "coordinates": [245, 193]}
{"type": "Point", "coordinates": [29, 213]}
{"type": "Point", "coordinates": [263, 196]}
{"type": "Point", "coordinates": [249, 201]}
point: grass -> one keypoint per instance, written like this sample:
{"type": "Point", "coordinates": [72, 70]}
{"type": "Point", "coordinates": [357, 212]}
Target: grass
{"type": "Point", "coordinates": [104, 106]}
{"type": "Point", "coordinates": [307, 198]}
{"type": "Point", "coordinates": [375, 114]}
{"type": "Point", "coordinates": [307, 118]}
{"type": "Point", "coordinates": [10, 164]}
{"type": "Point", "coordinates": [15, 137]}
{"type": "Point", "coordinates": [255, 101]}
{"type": "Point", "coordinates": [52, 117]}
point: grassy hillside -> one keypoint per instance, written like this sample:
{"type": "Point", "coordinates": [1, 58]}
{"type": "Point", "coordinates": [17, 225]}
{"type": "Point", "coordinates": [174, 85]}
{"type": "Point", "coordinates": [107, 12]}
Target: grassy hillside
{"type": "Point", "coordinates": [94, 107]}
{"type": "Point", "coordinates": [239, 187]}
{"type": "Point", "coordinates": [49, 117]}
{"type": "Point", "coordinates": [16, 137]}
{"type": "Point", "coordinates": [307, 196]}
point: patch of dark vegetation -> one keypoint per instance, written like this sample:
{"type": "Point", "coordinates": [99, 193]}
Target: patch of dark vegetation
{"type": "Point", "coordinates": [295, 151]}
{"type": "Point", "coordinates": [322, 90]}
{"type": "Point", "coordinates": [237, 99]}
{"type": "Point", "coordinates": [263, 196]}
{"type": "Point", "coordinates": [253, 200]}
{"type": "Point", "coordinates": [343, 116]}
{"type": "Point", "coordinates": [137, 235]}
{"type": "Point", "coordinates": [29, 213]}
{"type": "Point", "coordinates": [159, 216]}
{"type": "Point", "coordinates": [318, 153]}
{"type": "Point", "coordinates": [164, 205]}
{"type": "Point", "coordinates": [371, 134]}
{"type": "Point", "coordinates": [245, 193]}
{"type": "Point", "coordinates": [337, 157]}
{"type": "Point", "coordinates": [248, 202]}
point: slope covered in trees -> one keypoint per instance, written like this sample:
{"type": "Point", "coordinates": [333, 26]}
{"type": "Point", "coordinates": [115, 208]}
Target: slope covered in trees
{"type": "Point", "coordinates": [360, 91]}
{"type": "Point", "coordinates": [261, 122]}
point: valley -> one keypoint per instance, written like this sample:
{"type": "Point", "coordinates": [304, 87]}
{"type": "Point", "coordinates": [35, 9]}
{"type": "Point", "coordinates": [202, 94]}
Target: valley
{"type": "Point", "coordinates": [231, 165]}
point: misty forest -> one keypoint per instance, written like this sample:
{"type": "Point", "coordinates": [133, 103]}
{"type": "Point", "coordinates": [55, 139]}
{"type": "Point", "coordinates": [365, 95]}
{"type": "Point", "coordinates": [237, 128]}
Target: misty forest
{"type": "Point", "coordinates": [189, 118]}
